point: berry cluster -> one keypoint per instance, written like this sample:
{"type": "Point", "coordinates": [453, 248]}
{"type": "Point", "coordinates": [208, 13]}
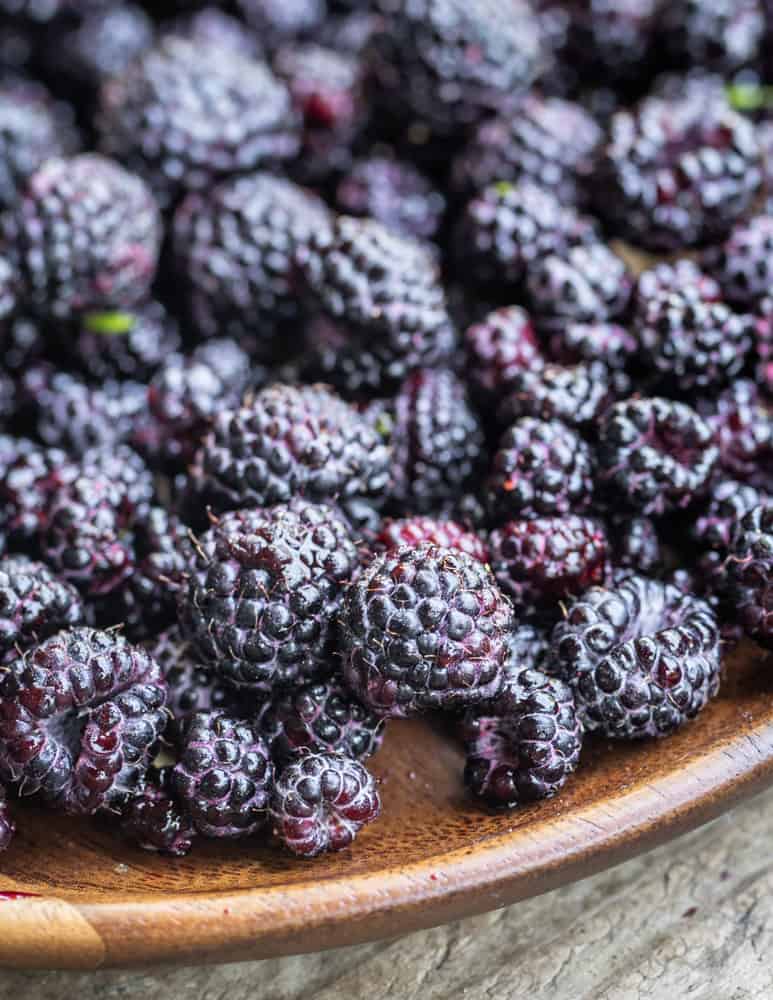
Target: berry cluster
{"type": "Point", "coordinates": [334, 391]}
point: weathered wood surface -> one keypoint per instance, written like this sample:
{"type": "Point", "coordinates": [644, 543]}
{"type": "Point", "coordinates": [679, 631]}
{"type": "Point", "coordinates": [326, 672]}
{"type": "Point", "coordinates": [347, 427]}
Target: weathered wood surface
{"type": "Point", "coordinates": [691, 919]}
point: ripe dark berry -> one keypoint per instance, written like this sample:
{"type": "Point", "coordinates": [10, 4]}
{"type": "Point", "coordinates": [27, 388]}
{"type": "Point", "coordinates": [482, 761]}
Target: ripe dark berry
{"type": "Point", "coordinates": [677, 173]}
{"type": "Point", "coordinates": [33, 604]}
{"type": "Point", "coordinates": [7, 825]}
{"type": "Point", "coordinates": [235, 246]}
{"type": "Point", "coordinates": [287, 442]}
{"type": "Point", "coordinates": [265, 588]}
{"type": "Point", "coordinates": [125, 345]}
{"type": "Point", "coordinates": [186, 114]}
{"type": "Point", "coordinates": [606, 42]}
{"type": "Point", "coordinates": [189, 390]}
{"type": "Point", "coordinates": [499, 347]}
{"type": "Point", "coordinates": [154, 818]}
{"type": "Point", "coordinates": [749, 572]}
{"type": "Point", "coordinates": [192, 685]}
{"type": "Point", "coordinates": [413, 531]}
{"type": "Point", "coordinates": [85, 529]}
{"type": "Point", "coordinates": [635, 544]}
{"type": "Point", "coordinates": [682, 276]}
{"type": "Point", "coordinates": [395, 193]}
{"type": "Point", "coordinates": [322, 718]}
{"type": "Point", "coordinates": [423, 628]}
{"type": "Point", "coordinates": [85, 234]}
{"type": "Point", "coordinates": [212, 26]}
{"type": "Point", "coordinates": [29, 475]}
{"type": "Point", "coordinates": [723, 35]}
{"type": "Point", "coordinates": [523, 746]}
{"type": "Point", "coordinates": [655, 453]}
{"type": "Point", "coordinates": [436, 439]}
{"type": "Point", "coordinates": [609, 344]}
{"type": "Point", "coordinates": [382, 296]}
{"type": "Point", "coordinates": [320, 802]}
{"type": "Point", "coordinates": [33, 128]}
{"type": "Point", "coordinates": [224, 776]}
{"type": "Point", "coordinates": [507, 228]}
{"type": "Point", "coordinates": [80, 717]}
{"type": "Point", "coordinates": [326, 87]}
{"type": "Point", "coordinates": [72, 415]}
{"type": "Point", "coordinates": [540, 562]}
{"type": "Point", "coordinates": [728, 502]}
{"type": "Point", "coordinates": [742, 421]}
{"type": "Point", "coordinates": [574, 394]}
{"type": "Point", "coordinates": [448, 63]}
{"type": "Point", "coordinates": [642, 657]}
{"type": "Point", "coordinates": [275, 21]}
{"type": "Point", "coordinates": [545, 140]}
{"type": "Point", "coordinates": [584, 284]}
{"type": "Point", "coordinates": [693, 345]}
{"type": "Point", "coordinates": [102, 45]}
{"type": "Point", "coordinates": [743, 263]}
{"type": "Point", "coordinates": [541, 467]}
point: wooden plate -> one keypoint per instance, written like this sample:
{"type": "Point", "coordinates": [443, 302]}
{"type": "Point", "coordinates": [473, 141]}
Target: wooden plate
{"type": "Point", "coordinates": [434, 856]}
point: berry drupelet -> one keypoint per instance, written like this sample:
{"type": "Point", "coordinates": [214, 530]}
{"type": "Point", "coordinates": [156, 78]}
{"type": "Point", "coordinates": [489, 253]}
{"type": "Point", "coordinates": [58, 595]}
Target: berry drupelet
{"type": "Point", "coordinates": [424, 627]}
{"type": "Point", "coordinates": [154, 819]}
{"type": "Point", "coordinates": [413, 531]}
{"type": "Point", "coordinates": [545, 140]}
{"type": "Point", "coordinates": [235, 246]}
{"type": "Point", "coordinates": [85, 234]}
{"type": "Point", "coordinates": [450, 63]}
{"type": "Point", "coordinates": [749, 573]}
{"type": "Point", "coordinates": [677, 173]}
{"type": "Point", "coordinates": [80, 717]}
{"type": "Point", "coordinates": [393, 192]}
{"type": "Point", "coordinates": [525, 744]}
{"type": "Point", "coordinates": [540, 467]}
{"type": "Point", "coordinates": [291, 441]}
{"type": "Point", "coordinates": [320, 802]}
{"type": "Point", "coordinates": [33, 128]}
{"type": "Point", "coordinates": [264, 591]}
{"type": "Point", "coordinates": [34, 604]}
{"type": "Point", "coordinates": [542, 561]}
{"type": "Point", "coordinates": [187, 114]}
{"type": "Point", "coordinates": [506, 228]}
{"type": "Point", "coordinates": [642, 657]}
{"type": "Point", "coordinates": [436, 439]}
{"type": "Point", "coordinates": [656, 454]}
{"type": "Point", "coordinates": [322, 718]}
{"type": "Point", "coordinates": [382, 300]}
{"type": "Point", "coordinates": [224, 776]}
{"type": "Point", "coordinates": [498, 348]}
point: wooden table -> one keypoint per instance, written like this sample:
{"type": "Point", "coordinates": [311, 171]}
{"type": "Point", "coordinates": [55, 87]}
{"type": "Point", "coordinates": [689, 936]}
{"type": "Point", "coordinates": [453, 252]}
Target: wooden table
{"type": "Point", "coordinates": [693, 919]}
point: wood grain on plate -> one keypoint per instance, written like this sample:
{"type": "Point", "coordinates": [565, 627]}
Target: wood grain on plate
{"type": "Point", "coordinates": [434, 856]}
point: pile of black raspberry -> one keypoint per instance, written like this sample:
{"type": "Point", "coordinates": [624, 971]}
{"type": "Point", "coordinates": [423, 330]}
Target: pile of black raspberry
{"type": "Point", "coordinates": [360, 364]}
